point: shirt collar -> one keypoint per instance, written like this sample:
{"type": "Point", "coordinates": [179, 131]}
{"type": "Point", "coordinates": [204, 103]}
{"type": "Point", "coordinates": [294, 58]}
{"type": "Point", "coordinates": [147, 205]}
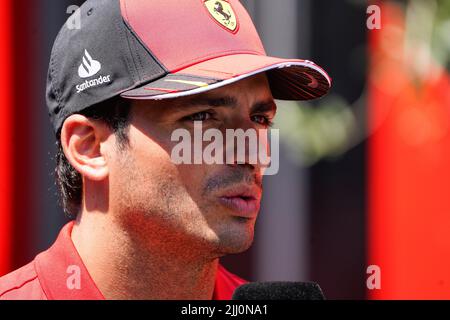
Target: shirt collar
{"type": "Point", "coordinates": [62, 273]}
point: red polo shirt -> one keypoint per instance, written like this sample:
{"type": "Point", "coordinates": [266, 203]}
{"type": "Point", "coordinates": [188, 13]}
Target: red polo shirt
{"type": "Point", "coordinates": [46, 277]}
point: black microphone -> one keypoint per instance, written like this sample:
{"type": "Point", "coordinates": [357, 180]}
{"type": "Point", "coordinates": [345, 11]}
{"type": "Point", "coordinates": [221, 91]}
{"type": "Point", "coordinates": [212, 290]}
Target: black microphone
{"type": "Point", "coordinates": [278, 291]}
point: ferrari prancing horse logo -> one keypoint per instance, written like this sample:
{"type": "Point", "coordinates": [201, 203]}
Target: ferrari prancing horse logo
{"type": "Point", "coordinates": [223, 13]}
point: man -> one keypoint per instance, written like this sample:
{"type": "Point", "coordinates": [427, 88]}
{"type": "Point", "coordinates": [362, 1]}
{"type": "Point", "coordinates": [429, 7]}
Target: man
{"type": "Point", "coordinates": [145, 226]}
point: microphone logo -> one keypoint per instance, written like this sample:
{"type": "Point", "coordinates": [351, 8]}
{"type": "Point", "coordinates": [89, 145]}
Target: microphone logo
{"type": "Point", "coordinates": [89, 67]}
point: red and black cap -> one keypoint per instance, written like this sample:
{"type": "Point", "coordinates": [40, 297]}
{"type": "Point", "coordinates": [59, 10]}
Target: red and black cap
{"type": "Point", "coordinates": [160, 49]}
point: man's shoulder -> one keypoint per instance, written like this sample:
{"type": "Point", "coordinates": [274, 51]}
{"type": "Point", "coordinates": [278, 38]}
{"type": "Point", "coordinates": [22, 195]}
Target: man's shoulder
{"type": "Point", "coordinates": [21, 284]}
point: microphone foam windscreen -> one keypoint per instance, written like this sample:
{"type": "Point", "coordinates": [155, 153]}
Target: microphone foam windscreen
{"type": "Point", "coordinates": [279, 291]}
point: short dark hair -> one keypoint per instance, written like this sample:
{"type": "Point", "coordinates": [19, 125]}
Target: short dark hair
{"type": "Point", "coordinates": [115, 113]}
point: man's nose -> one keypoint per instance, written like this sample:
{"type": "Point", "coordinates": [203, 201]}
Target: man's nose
{"type": "Point", "coordinates": [244, 144]}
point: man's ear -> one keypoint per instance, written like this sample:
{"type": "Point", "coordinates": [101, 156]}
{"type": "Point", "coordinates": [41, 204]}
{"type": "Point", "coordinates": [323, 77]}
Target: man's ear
{"type": "Point", "coordinates": [81, 139]}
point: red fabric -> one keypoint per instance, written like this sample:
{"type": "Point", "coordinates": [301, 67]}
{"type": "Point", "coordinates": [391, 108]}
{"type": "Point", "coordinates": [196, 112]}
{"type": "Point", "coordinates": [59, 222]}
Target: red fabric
{"type": "Point", "coordinates": [45, 278]}
{"type": "Point", "coordinates": [181, 35]}
{"type": "Point", "coordinates": [235, 65]}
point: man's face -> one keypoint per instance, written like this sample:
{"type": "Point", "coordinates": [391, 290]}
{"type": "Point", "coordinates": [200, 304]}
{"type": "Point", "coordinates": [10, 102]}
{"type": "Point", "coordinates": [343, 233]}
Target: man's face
{"type": "Point", "coordinates": [206, 207]}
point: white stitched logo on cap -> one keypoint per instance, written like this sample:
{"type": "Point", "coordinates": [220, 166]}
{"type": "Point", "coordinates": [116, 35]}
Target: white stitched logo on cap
{"type": "Point", "coordinates": [89, 67]}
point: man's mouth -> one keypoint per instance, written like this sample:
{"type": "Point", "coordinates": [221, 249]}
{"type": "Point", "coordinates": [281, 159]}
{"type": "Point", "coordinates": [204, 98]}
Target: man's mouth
{"type": "Point", "coordinates": [243, 201]}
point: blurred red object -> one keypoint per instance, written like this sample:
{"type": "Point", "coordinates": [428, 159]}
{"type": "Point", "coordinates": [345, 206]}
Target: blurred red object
{"type": "Point", "coordinates": [409, 168]}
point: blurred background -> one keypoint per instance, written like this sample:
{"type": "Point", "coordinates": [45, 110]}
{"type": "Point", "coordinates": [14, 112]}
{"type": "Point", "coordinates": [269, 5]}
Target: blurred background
{"type": "Point", "coordinates": [364, 174]}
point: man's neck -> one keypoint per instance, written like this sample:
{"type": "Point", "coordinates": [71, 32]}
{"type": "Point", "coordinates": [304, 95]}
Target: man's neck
{"type": "Point", "coordinates": [126, 268]}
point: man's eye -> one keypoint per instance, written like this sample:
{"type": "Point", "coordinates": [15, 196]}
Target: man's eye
{"type": "Point", "coordinates": [199, 116]}
{"type": "Point", "coordinates": [262, 120]}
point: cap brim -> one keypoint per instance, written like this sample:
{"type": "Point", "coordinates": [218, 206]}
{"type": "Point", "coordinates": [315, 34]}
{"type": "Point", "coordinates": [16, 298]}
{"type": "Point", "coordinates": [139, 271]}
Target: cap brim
{"type": "Point", "coordinates": [289, 79]}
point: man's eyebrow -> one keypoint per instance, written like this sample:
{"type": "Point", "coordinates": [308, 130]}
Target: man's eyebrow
{"type": "Point", "coordinates": [229, 101]}
{"type": "Point", "coordinates": [224, 101]}
{"type": "Point", "coordinates": [264, 106]}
